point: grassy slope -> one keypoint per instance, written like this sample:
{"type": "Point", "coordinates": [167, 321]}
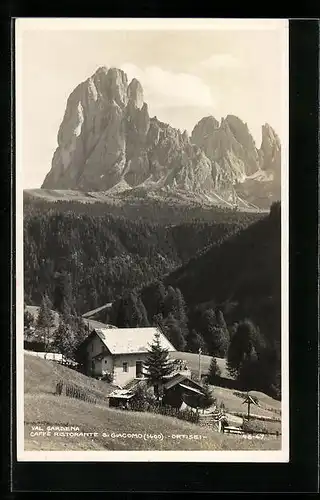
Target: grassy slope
{"type": "Point", "coordinates": [41, 377]}
{"type": "Point", "coordinates": [48, 410]}
{"type": "Point", "coordinates": [233, 401]}
{"type": "Point", "coordinates": [43, 408]}
{"type": "Point", "coordinates": [192, 361]}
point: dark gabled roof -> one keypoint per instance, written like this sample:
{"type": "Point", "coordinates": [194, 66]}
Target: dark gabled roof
{"type": "Point", "coordinates": [192, 389]}
{"type": "Point", "coordinates": [249, 399]}
{"type": "Point", "coordinates": [179, 378]}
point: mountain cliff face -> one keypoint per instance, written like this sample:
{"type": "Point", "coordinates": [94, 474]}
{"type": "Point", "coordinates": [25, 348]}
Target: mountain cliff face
{"type": "Point", "coordinates": [108, 142]}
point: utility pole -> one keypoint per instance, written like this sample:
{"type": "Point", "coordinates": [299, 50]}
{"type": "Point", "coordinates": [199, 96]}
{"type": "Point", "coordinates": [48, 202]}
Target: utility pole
{"type": "Point", "coordinates": [200, 364]}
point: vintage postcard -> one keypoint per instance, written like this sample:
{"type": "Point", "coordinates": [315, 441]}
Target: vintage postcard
{"type": "Point", "coordinates": [152, 240]}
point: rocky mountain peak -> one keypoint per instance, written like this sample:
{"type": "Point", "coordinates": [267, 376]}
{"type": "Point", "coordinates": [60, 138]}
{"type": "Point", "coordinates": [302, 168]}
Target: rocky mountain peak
{"type": "Point", "coordinates": [135, 93]}
{"type": "Point", "coordinates": [269, 137]}
{"type": "Point", "coordinates": [107, 139]}
{"type": "Point", "coordinates": [270, 150]}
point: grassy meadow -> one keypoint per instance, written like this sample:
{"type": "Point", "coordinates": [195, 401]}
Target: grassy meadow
{"type": "Point", "coordinates": [45, 409]}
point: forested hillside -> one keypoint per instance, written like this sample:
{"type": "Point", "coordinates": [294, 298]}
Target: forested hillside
{"type": "Point", "coordinates": [83, 256]}
{"type": "Point", "coordinates": [226, 300]}
{"type": "Point", "coordinates": [210, 285]}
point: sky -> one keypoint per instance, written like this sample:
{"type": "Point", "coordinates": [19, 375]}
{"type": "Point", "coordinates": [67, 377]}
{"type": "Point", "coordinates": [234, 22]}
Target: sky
{"type": "Point", "coordinates": [187, 71]}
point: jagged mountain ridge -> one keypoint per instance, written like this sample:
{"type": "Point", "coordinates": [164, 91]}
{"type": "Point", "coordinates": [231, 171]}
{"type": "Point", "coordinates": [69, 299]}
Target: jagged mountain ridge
{"type": "Point", "coordinates": [108, 142]}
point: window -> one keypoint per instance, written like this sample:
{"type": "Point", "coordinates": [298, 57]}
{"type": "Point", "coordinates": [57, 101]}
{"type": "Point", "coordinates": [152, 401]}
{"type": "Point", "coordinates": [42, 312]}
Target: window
{"type": "Point", "coordinates": [125, 367]}
{"type": "Point", "coordinates": [105, 361]}
{"type": "Point", "coordinates": [139, 373]}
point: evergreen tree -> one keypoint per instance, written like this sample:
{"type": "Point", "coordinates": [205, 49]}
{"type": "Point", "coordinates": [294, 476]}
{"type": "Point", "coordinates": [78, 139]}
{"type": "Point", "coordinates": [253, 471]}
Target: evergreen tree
{"type": "Point", "coordinates": [181, 313]}
{"type": "Point", "coordinates": [28, 322]}
{"type": "Point", "coordinates": [45, 320]}
{"type": "Point", "coordinates": [170, 301]}
{"type": "Point", "coordinates": [219, 342]}
{"type": "Point", "coordinates": [158, 364]}
{"type": "Point", "coordinates": [249, 371]}
{"type": "Point", "coordinates": [221, 323]}
{"type": "Point", "coordinates": [158, 321]}
{"type": "Point", "coordinates": [215, 333]}
{"type": "Point", "coordinates": [130, 311]}
{"type": "Point", "coordinates": [63, 339]}
{"type": "Point", "coordinates": [172, 330]}
{"type": "Point", "coordinates": [142, 313]}
{"type": "Point", "coordinates": [214, 372]}
{"type": "Point", "coordinates": [207, 399]}
{"type": "Point", "coordinates": [208, 322]}
{"type": "Point", "coordinates": [63, 301]}
{"type": "Point", "coordinates": [70, 333]}
{"type": "Point", "coordinates": [195, 342]}
{"type": "Point", "coordinates": [233, 330]}
{"type": "Point", "coordinates": [154, 299]}
{"type": "Point", "coordinates": [246, 343]}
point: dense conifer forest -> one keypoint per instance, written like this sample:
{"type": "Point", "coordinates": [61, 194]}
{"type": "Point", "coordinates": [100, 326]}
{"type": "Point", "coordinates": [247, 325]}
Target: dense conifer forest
{"type": "Point", "coordinates": [85, 255]}
{"type": "Point", "coordinates": [207, 283]}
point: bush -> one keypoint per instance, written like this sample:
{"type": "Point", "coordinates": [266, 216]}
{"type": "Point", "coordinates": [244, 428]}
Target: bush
{"type": "Point", "coordinates": [207, 399]}
{"type": "Point", "coordinates": [187, 415]}
{"type": "Point", "coordinates": [142, 400]}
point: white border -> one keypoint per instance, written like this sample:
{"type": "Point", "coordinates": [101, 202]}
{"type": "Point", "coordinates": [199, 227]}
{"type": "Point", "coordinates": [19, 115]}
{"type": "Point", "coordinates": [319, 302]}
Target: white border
{"type": "Point", "coordinates": [282, 455]}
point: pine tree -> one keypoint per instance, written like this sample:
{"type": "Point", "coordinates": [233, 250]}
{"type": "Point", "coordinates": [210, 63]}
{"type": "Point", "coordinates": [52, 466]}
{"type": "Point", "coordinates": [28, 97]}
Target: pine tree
{"type": "Point", "coordinates": [142, 313]}
{"type": "Point", "coordinates": [208, 322]}
{"type": "Point", "coordinates": [129, 311]}
{"type": "Point", "coordinates": [181, 313]}
{"type": "Point", "coordinates": [219, 342]}
{"type": "Point", "coordinates": [221, 323]}
{"type": "Point", "coordinates": [63, 339]}
{"type": "Point", "coordinates": [214, 372]}
{"type": "Point", "coordinates": [28, 321]}
{"type": "Point", "coordinates": [246, 343]}
{"type": "Point", "coordinates": [172, 330]}
{"type": "Point", "coordinates": [157, 298]}
{"type": "Point", "coordinates": [158, 321]}
{"type": "Point", "coordinates": [195, 342]}
{"type": "Point", "coordinates": [170, 301]}
{"type": "Point", "coordinates": [63, 298]}
{"type": "Point", "coordinates": [45, 320]}
{"type": "Point", "coordinates": [158, 364]}
{"type": "Point", "coordinates": [249, 371]}
{"type": "Point", "coordinates": [207, 399]}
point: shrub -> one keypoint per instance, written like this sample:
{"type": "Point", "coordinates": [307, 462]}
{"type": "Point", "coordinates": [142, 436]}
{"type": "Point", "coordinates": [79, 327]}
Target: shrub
{"type": "Point", "coordinates": [187, 415]}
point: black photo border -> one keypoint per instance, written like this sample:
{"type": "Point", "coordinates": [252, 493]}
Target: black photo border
{"type": "Point", "coordinates": [301, 473]}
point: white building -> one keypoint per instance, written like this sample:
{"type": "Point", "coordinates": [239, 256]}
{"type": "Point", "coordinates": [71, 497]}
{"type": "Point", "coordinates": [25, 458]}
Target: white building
{"type": "Point", "coordinates": [120, 351]}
